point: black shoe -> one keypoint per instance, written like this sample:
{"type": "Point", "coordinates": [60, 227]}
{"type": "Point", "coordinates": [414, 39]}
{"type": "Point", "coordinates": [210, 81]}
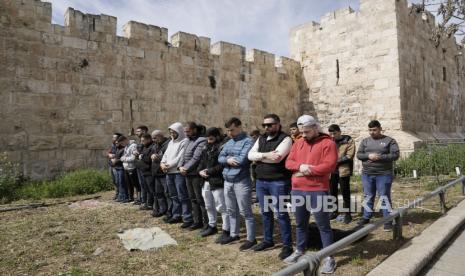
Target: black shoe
{"type": "Point", "coordinates": [286, 252]}
{"type": "Point", "coordinates": [224, 235]}
{"type": "Point", "coordinates": [144, 208]}
{"type": "Point", "coordinates": [388, 227]}
{"type": "Point", "coordinates": [247, 245]}
{"type": "Point", "coordinates": [229, 239]}
{"type": "Point", "coordinates": [137, 202]}
{"type": "Point", "coordinates": [187, 224]}
{"type": "Point", "coordinates": [263, 246]}
{"type": "Point", "coordinates": [195, 226]}
{"type": "Point", "coordinates": [157, 214]}
{"type": "Point", "coordinates": [205, 226]}
{"type": "Point", "coordinates": [333, 216]}
{"type": "Point", "coordinates": [174, 220]}
{"type": "Point", "coordinates": [363, 221]}
{"type": "Point", "coordinates": [166, 218]}
{"type": "Point", "coordinates": [209, 231]}
{"type": "Point", "coordinates": [347, 218]}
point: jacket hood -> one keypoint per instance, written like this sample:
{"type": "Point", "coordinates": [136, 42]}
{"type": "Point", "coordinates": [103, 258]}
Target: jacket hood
{"type": "Point", "coordinates": [179, 130]}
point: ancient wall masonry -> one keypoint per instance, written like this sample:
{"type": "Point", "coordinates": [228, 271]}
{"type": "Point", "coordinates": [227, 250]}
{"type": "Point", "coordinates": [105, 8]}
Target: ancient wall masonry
{"type": "Point", "coordinates": [66, 89]}
{"type": "Point", "coordinates": [378, 63]}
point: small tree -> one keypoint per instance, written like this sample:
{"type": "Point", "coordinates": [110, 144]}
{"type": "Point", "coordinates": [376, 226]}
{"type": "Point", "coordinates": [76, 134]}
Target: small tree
{"type": "Point", "coordinates": [451, 17]}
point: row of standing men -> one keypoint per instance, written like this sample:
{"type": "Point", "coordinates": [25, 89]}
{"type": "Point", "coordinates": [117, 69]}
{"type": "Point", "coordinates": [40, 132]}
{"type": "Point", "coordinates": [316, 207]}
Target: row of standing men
{"type": "Point", "coordinates": [196, 173]}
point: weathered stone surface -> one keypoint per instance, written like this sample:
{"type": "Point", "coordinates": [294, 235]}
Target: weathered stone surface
{"type": "Point", "coordinates": [70, 87]}
{"type": "Point", "coordinates": [378, 63]}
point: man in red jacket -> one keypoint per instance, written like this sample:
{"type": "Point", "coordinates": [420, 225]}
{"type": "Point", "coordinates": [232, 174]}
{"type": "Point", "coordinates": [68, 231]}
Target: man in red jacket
{"type": "Point", "coordinates": [311, 160]}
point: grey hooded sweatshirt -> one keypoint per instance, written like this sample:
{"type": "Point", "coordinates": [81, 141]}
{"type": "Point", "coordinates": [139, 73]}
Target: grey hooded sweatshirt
{"type": "Point", "coordinates": [175, 151]}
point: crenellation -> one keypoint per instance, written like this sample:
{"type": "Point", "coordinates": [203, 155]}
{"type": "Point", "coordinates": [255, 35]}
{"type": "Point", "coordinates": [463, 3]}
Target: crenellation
{"type": "Point", "coordinates": [90, 26]}
{"type": "Point", "coordinates": [260, 58]}
{"type": "Point", "coordinates": [137, 30]}
{"type": "Point", "coordinates": [187, 41]}
{"type": "Point", "coordinates": [339, 14]}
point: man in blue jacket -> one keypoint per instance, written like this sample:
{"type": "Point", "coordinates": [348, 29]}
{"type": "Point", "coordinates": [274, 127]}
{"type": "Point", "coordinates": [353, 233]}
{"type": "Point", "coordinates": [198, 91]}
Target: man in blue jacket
{"type": "Point", "coordinates": [237, 184]}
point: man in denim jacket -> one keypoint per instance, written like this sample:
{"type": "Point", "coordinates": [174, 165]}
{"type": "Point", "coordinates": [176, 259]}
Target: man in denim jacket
{"type": "Point", "coordinates": [237, 184]}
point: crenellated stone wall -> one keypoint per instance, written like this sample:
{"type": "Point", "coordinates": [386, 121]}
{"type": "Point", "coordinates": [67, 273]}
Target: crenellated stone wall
{"type": "Point", "coordinates": [66, 89]}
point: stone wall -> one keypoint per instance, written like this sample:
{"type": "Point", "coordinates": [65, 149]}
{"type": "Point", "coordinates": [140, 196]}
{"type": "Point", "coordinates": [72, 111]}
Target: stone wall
{"type": "Point", "coordinates": [66, 89]}
{"type": "Point", "coordinates": [378, 63]}
{"type": "Point", "coordinates": [432, 79]}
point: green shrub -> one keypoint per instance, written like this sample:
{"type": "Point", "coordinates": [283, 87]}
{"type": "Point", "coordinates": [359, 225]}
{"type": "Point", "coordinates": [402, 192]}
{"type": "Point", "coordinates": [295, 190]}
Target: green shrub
{"type": "Point", "coordinates": [432, 161]}
{"type": "Point", "coordinates": [10, 178]}
{"type": "Point", "coordinates": [78, 182]}
{"type": "Point", "coordinates": [14, 186]}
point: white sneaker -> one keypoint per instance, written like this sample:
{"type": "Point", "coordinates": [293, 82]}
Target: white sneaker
{"type": "Point", "coordinates": [329, 266]}
{"type": "Point", "coordinates": [294, 257]}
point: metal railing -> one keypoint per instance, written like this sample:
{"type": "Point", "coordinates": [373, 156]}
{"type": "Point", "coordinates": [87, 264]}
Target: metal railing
{"type": "Point", "coordinates": [309, 263]}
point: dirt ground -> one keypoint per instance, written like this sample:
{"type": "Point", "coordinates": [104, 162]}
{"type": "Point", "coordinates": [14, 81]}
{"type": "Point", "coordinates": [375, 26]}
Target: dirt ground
{"type": "Point", "coordinates": [59, 240]}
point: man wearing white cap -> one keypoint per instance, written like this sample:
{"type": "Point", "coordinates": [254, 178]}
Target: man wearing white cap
{"type": "Point", "coordinates": [311, 160]}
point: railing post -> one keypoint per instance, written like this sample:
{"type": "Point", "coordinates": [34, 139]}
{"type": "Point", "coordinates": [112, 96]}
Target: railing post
{"type": "Point", "coordinates": [442, 202]}
{"type": "Point", "coordinates": [463, 187]}
{"type": "Point", "coordinates": [397, 228]}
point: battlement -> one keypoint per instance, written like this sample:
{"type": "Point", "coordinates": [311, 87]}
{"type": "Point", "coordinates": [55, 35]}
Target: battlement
{"type": "Point", "coordinates": [89, 26]}
{"type": "Point", "coordinates": [223, 48]}
{"type": "Point", "coordinates": [188, 41]}
{"type": "Point", "coordinates": [102, 28]}
{"type": "Point", "coordinates": [137, 30]}
{"type": "Point", "coordinates": [333, 15]}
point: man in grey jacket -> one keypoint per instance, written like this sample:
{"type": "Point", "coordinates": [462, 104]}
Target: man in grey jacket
{"type": "Point", "coordinates": [188, 168]}
{"type": "Point", "coordinates": [377, 153]}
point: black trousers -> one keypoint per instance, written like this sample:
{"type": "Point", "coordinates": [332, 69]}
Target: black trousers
{"type": "Point", "coordinates": [150, 190]}
{"type": "Point", "coordinates": [157, 194]}
{"type": "Point", "coordinates": [194, 189]}
{"type": "Point", "coordinates": [132, 181]}
{"type": "Point", "coordinates": [344, 184]}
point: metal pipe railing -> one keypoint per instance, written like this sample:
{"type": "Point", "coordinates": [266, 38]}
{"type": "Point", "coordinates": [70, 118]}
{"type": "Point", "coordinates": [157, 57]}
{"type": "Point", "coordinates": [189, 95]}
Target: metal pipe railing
{"type": "Point", "coordinates": [310, 262]}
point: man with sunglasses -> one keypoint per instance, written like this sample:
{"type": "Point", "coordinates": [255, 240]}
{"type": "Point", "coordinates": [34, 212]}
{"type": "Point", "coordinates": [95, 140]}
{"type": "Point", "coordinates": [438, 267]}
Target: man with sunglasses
{"type": "Point", "coordinates": [273, 181]}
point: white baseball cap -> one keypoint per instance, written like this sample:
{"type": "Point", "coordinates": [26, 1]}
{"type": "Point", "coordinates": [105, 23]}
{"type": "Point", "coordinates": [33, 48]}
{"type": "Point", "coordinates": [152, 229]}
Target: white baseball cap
{"type": "Point", "coordinates": [306, 120]}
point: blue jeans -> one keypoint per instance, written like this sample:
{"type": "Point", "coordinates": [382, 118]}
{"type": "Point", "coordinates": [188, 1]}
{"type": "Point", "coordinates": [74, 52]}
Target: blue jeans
{"type": "Point", "coordinates": [382, 184]}
{"type": "Point", "coordinates": [122, 188]}
{"type": "Point", "coordinates": [113, 179]}
{"type": "Point", "coordinates": [181, 203]}
{"type": "Point", "coordinates": [275, 189]}
{"type": "Point", "coordinates": [238, 199]}
{"type": "Point", "coordinates": [302, 216]}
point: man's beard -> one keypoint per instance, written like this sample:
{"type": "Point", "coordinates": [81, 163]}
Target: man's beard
{"type": "Point", "coordinates": [271, 133]}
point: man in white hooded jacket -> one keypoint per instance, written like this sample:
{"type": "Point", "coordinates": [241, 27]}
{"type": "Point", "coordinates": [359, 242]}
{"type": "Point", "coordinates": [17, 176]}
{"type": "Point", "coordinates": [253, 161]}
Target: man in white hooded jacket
{"type": "Point", "coordinates": [176, 182]}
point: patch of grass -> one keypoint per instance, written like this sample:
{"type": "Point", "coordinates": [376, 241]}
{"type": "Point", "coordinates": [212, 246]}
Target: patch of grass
{"type": "Point", "coordinates": [76, 271]}
{"type": "Point", "coordinates": [79, 182]}
{"type": "Point", "coordinates": [356, 260]}
{"type": "Point", "coordinates": [182, 266]}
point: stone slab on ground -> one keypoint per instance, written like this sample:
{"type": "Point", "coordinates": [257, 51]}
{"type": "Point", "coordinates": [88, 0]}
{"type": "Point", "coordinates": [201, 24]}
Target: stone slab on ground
{"type": "Point", "coordinates": [145, 238]}
{"type": "Point", "coordinates": [416, 253]}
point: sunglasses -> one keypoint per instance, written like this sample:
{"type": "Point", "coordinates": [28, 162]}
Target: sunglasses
{"type": "Point", "coordinates": [268, 125]}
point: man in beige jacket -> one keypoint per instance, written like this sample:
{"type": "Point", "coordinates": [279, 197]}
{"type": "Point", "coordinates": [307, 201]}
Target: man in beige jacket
{"type": "Point", "coordinates": [341, 176]}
